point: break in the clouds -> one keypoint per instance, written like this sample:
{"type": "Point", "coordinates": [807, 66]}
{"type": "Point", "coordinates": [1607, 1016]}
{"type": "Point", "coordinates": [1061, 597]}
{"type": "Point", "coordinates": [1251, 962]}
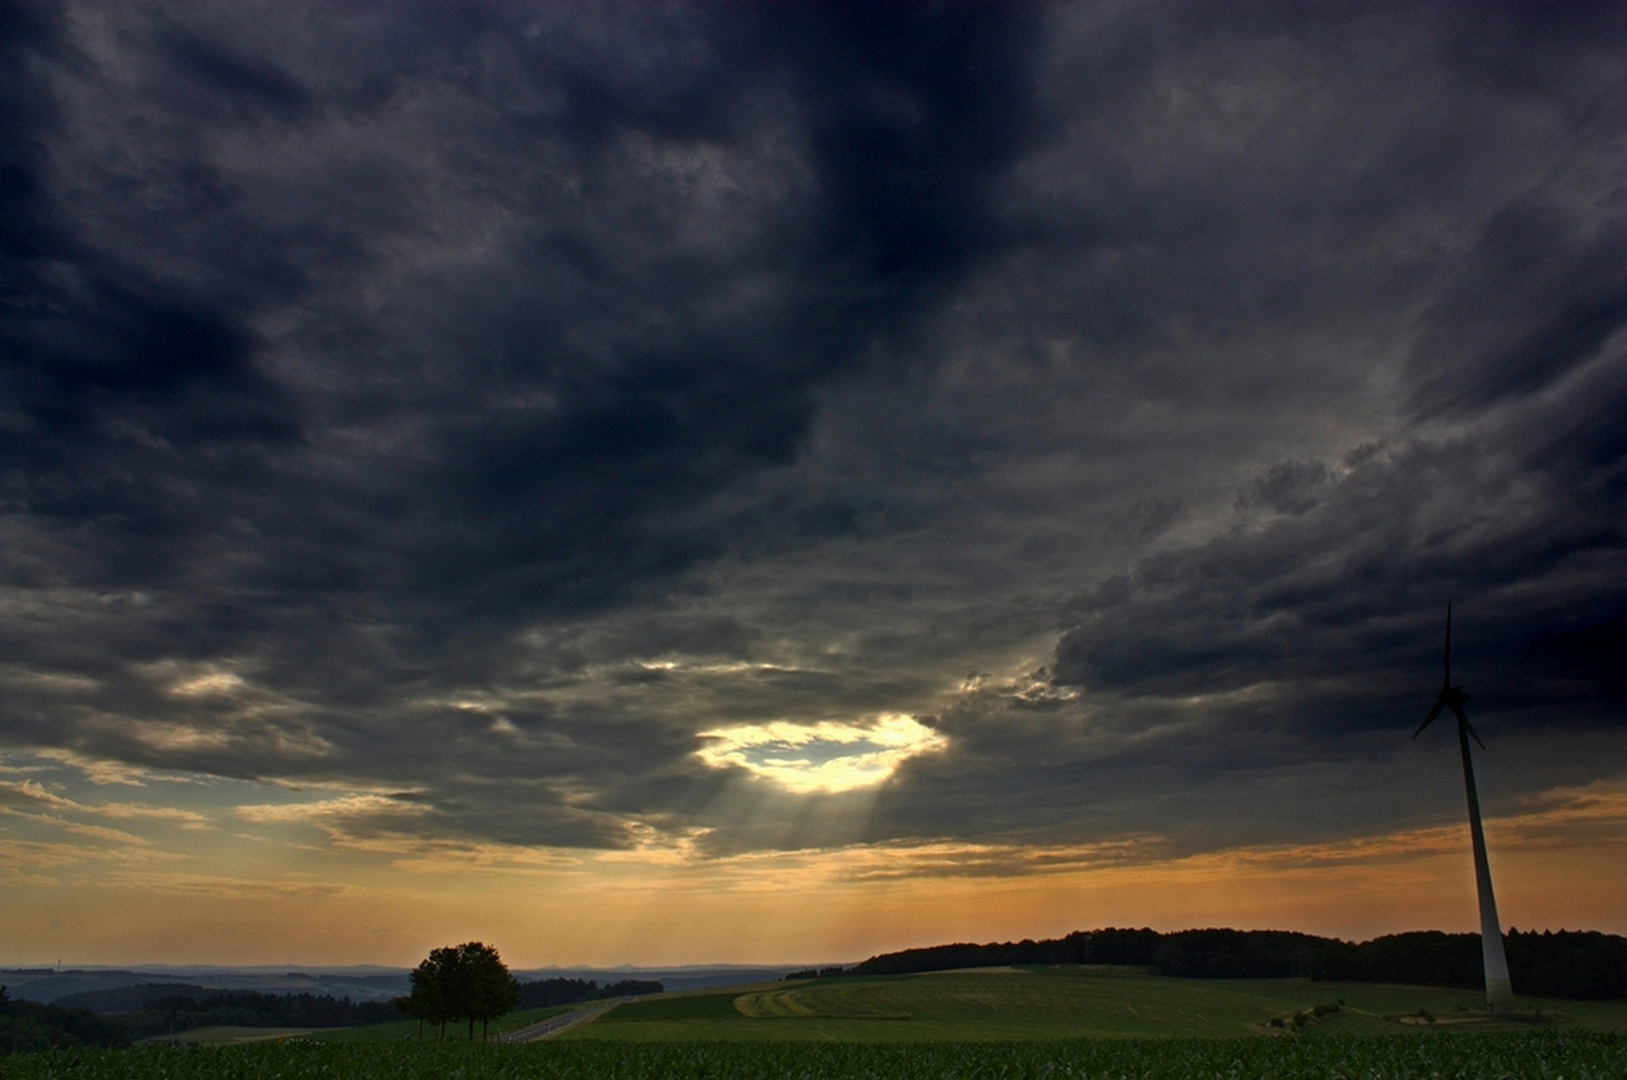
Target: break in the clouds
{"type": "Point", "coordinates": [557, 427]}
{"type": "Point", "coordinates": [823, 757]}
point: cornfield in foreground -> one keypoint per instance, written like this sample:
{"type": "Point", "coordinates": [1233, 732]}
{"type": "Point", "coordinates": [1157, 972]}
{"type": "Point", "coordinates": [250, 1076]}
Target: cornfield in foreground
{"type": "Point", "coordinates": [1539, 1055]}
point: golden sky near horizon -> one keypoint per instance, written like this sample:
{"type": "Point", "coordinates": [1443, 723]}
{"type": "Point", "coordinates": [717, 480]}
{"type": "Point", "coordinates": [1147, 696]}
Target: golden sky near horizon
{"type": "Point", "coordinates": [115, 877]}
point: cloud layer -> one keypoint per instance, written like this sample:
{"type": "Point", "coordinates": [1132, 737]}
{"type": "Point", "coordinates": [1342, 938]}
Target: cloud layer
{"type": "Point", "coordinates": [456, 412]}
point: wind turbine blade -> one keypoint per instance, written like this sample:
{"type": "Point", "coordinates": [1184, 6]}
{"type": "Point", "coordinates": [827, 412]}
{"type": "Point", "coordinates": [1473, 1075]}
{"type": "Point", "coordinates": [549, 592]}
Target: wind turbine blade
{"type": "Point", "coordinates": [1436, 711]}
{"type": "Point", "coordinates": [1464, 720]}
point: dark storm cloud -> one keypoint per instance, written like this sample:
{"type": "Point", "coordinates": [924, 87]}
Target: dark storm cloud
{"type": "Point", "coordinates": [1518, 515]}
{"type": "Point", "coordinates": [478, 401]}
{"type": "Point", "coordinates": [537, 463]}
{"type": "Point", "coordinates": [1541, 296]}
{"type": "Point", "coordinates": [248, 85]}
{"type": "Point", "coordinates": [1327, 595]}
{"type": "Point", "coordinates": [369, 503]}
{"type": "Point", "coordinates": [1351, 589]}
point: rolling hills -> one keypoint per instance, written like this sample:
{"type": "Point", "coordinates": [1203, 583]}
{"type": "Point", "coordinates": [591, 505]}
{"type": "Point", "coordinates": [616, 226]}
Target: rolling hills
{"type": "Point", "coordinates": [1069, 1002]}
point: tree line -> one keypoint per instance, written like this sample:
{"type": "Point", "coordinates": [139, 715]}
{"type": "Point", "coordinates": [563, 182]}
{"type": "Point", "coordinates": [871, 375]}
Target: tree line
{"type": "Point", "coordinates": [545, 992]}
{"type": "Point", "coordinates": [160, 1008]}
{"type": "Point", "coordinates": [249, 1008]}
{"type": "Point", "coordinates": [116, 1017]}
{"type": "Point", "coordinates": [1109, 946]}
{"type": "Point", "coordinates": [1582, 965]}
{"type": "Point", "coordinates": [815, 973]}
{"type": "Point", "coordinates": [1567, 964]}
{"type": "Point", "coordinates": [26, 1026]}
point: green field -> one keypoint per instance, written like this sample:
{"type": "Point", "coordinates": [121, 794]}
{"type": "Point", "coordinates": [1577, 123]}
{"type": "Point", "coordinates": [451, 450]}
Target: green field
{"type": "Point", "coordinates": [1061, 1003]}
{"type": "Point", "coordinates": [1544, 1054]}
{"type": "Point", "coordinates": [1043, 1024]}
{"type": "Point", "coordinates": [407, 1030]}
{"type": "Point", "coordinates": [222, 1033]}
{"type": "Point", "coordinates": [399, 1031]}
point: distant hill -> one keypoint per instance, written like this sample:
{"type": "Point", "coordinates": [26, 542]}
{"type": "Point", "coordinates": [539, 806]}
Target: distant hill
{"type": "Point", "coordinates": [545, 992]}
{"type": "Point", "coordinates": [1568, 964]}
{"type": "Point", "coordinates": [125, 998]}
{"type": "Point", "coordinates": [161, 1008]}
{"type": "Point", "coordinates": [47, 986]}
{"type": "Point", "coordinates": [695, 977]}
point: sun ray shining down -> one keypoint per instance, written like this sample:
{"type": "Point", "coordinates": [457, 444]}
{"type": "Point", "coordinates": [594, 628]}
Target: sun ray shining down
{"type": "Point", "coordinates": [829, 756]}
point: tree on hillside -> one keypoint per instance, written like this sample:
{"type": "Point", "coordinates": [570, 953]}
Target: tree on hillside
{"type": "Point", "coordinates": [462, 982]}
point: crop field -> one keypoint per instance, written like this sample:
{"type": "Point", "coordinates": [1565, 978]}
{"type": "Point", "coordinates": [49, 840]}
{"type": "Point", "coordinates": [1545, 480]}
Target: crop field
{"type": "Point", "coordinates": [1053, 1003]}
{"type": "Point", "coordinates": [225, 1034]}
{"type": "Point", "coordinates": [403, 1030]}
{"type": "Point", "coordinates": [398, 1031]}
{"type": "Point", "coordinates": [1084, 1023]}
{"type": "Point", "coordinates": [1543, 1054]}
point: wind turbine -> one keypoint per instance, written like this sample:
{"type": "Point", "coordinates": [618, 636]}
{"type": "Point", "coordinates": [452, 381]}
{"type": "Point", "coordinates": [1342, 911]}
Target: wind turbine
{"type": "Point", "coordinates": [1499, 991]}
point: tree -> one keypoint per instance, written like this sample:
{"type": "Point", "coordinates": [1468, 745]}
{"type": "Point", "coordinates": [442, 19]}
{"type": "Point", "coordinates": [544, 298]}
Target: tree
{"type": "Point", "coordinates": [462, 982]}
{"type": "Point", "coordinates": [492, 990]}
{"type": "Point", "coordinates": [431, 980]}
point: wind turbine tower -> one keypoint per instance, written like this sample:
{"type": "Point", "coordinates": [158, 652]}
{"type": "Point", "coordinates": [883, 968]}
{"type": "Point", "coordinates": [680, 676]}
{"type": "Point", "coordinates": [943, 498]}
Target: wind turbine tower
{"type": "Point", "coordinates": [1499, 991]}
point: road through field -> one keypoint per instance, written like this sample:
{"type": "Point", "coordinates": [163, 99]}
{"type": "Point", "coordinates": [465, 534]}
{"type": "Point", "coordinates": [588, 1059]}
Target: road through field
{"type": "Point", "coordinates": [555, 1024]}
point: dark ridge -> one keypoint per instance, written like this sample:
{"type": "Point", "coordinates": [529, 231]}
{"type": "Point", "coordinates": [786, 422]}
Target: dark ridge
{"type": "Point", "coordinates": [165, 1008]}
{"type": "Point", "coordinates": [545, 992]}
{"type": "Point", "coordinates": [1581, 965]}
{"type": "Point", "coordinates": [1109, 946]}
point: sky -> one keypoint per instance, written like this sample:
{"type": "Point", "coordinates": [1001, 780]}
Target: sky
{"type": "Point", "coordinates": [763, 483]}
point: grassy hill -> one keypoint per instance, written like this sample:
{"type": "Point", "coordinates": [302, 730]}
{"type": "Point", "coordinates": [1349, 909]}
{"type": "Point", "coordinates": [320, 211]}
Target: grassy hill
{"type": "Point", "coordinates": [1067, 1002]}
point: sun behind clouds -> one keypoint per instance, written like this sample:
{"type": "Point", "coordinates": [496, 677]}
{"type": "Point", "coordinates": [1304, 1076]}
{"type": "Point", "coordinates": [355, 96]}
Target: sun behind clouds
{"type": "Point", "coordinates": [828, 757]}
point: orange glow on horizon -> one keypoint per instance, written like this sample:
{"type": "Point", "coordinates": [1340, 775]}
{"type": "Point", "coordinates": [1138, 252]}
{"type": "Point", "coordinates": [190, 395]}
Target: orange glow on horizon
{"type": "Point", "coordinates": [387, 900]}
